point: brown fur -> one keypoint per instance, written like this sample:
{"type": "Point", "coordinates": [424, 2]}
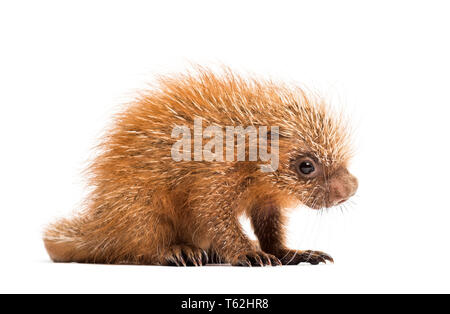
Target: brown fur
{"type": "Point", "coordinates": [145, 208]}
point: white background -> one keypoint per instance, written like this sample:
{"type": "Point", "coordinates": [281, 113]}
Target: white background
{"type": "Point", "coordinates": [65, 67]}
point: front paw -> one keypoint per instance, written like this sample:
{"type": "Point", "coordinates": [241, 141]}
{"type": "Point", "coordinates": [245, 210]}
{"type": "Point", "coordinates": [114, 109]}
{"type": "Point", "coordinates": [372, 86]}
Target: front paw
{"type": "Point", "coordinates": [255, 258]}
{"type": "Point", "coordinates": [295, 257]}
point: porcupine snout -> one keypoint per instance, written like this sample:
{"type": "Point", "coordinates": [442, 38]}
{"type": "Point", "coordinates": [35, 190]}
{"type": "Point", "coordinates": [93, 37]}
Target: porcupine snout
{"type": "Point", "coordinates": [342, 186]}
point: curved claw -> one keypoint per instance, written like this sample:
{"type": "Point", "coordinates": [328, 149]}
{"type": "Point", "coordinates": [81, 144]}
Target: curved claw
{"type": "Point", "coordinates": [185, 255]}
{"type": "Point", "coordinates": [293, 257]}
{"type": "Point", "coordinates": [256, 258]}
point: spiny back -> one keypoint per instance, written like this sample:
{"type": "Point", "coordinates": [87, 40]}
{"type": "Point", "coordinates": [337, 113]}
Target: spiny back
{"type": "Point", "coordinates": [140, 140]}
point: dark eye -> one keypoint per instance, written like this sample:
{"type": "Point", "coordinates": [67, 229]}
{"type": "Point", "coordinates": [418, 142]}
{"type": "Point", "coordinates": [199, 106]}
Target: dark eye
{"type": "Point", "coordinates": [306, 167]}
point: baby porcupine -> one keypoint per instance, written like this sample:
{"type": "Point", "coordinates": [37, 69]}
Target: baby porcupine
{"type": "Point", "coordinates": [147, 208]}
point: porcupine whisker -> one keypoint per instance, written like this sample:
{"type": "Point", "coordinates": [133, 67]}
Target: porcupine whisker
{"type": "Point", "coordinates": [311, 194]}
{"type": "Point", "coordinates": [341, 209]}
{"type": "Point", "coordinates": [346, 208]}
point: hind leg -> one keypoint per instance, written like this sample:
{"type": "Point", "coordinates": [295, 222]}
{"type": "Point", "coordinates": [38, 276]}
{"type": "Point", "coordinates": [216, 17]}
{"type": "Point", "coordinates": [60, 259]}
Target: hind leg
{"type": "Point", "coordinates": [215, 258]}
